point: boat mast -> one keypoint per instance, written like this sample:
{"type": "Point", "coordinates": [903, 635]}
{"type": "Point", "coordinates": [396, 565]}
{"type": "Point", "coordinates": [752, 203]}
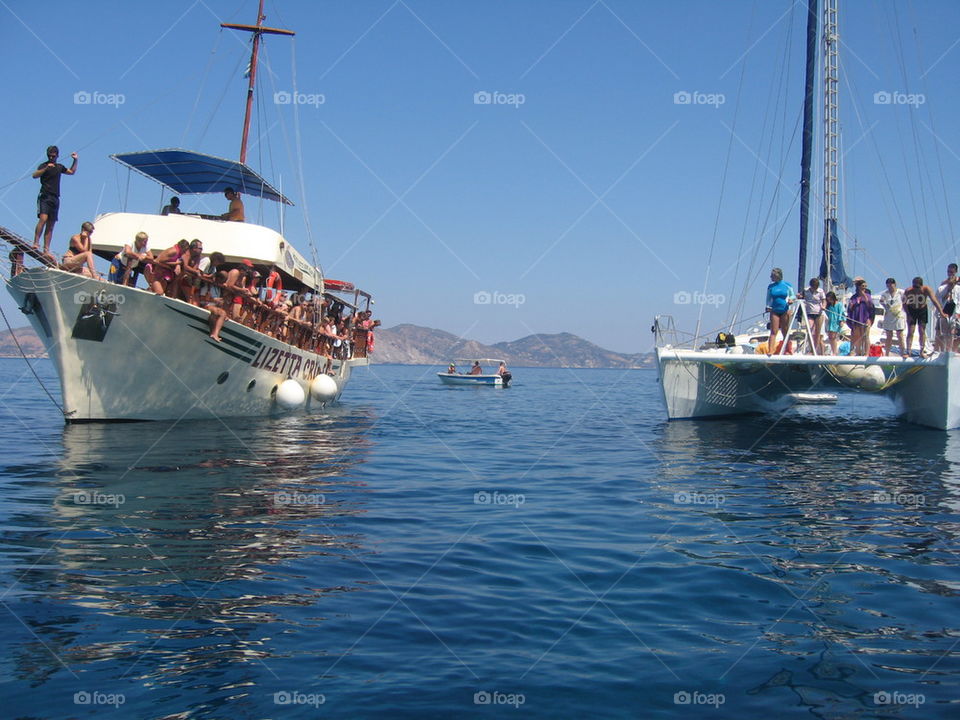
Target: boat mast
{"type": "Point", "coordinates": [257, 31]}
{"type": "Point", "coordinates": [813, 19]}
{"type": "Point", "coordinates": [831, 132]}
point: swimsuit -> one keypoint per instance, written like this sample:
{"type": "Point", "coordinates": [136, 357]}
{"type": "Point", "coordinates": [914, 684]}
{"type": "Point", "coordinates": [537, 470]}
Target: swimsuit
{"type": "Point", "coordinates": [777, 295]}
{"type": "Point", "coordinates": [915, 302]}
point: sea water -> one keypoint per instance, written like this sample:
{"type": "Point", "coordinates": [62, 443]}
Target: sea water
{"type": "Point", "coordinates": [555, 549]}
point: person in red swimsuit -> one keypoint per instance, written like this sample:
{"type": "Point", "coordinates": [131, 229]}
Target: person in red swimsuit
{"type": "Point", "coordinates": [165, 268]}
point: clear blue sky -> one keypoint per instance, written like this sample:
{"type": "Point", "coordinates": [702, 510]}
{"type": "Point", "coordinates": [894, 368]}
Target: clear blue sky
{"type": "Point", "coordinates": [595, 201]}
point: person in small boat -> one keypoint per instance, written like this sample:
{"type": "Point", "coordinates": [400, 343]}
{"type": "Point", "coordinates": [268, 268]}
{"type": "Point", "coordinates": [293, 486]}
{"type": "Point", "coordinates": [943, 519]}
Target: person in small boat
{"type": "Point", "coordinates": [814, 302]}
{"type": "Point", "coordinates": [915, 303]}
{"type": "Point", "coordinates": [504, 374]}
{"type": "Point", "coordinates": [172, 208]}
{"type": "Point", "coordinates": [48, 201]}
{"type": "Point", "coordinates": [476, 369]}
{"type": "Point", "coordinates": [235, 211]}
{"type": "Point", "coordinates": [894, 316]}
{"type": "Point", "coordinates": [860, 312]}
{"type": "Point", "coordinates": [836, 317]}
{"type": "Point", "coordinates": [79, 255]}
{"type": "Point", "coordinates": [948, 296]}
{"type": "Point", "coordinates": [780, 296]}
{"type": "Point", "coordinates": [452, 370]}
{"type": "Point", "coordinates": [127, 264]}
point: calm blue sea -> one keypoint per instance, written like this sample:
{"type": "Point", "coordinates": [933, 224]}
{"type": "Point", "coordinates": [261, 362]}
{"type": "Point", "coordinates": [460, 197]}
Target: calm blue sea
{"type": "Point", "coordinates": [551, 550]}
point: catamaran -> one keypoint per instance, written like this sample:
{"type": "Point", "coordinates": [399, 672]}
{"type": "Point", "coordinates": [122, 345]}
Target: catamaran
{"type": "Point", "coordinates": [124, 353]}
{"type": "Point", "coordinates": [729, 377]}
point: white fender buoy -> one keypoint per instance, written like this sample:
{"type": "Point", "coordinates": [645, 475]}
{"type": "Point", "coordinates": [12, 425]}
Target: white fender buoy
{"type": "Point", "coordinates": [323, 388]}
{"type": "Point", "coordinates": [873, 378]}
{"type": "Point", "coordinates": [290, 395]}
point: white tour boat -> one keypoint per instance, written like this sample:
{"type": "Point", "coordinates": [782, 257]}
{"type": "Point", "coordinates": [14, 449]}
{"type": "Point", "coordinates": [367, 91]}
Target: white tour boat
{"type": "Point", "coordinates": [124, 353]}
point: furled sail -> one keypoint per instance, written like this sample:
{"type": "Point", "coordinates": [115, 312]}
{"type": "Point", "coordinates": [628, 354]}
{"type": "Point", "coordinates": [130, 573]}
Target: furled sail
{"type": "Point", "coordinates": [838, 274]}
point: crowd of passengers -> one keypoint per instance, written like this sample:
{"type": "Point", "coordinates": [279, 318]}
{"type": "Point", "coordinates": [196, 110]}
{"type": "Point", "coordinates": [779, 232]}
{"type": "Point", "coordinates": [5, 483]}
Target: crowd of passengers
{"type": "Point", "coordinates": [234, 291]}
{"type": "Point", "coordinates": [904, 310]}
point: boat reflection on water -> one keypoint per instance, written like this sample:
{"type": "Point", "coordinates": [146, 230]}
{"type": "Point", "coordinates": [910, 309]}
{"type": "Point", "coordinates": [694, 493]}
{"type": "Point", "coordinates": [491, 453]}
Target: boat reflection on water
{"type": "Point", "coordinates": [182, 539]}
{"type": "Point", "coordinates": [844, 529]}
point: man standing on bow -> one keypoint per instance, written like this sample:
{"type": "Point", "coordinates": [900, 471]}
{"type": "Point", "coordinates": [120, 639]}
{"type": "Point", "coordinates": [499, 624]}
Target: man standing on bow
{"type": "Point", "coordinates": [48, 201]}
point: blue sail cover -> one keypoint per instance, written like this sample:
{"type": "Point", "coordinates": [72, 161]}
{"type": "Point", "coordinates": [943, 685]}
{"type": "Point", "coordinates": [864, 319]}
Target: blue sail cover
{"type": "Point", "coordinates": [838, 274]}
{"type": "Point", "coordinates": [186, 172]}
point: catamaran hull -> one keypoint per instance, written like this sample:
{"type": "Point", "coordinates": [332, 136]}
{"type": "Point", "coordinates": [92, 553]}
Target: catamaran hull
{"type": "Point", "coordinates": [128, 354]}
{"type": "Point", "coordinates": [698, 384]}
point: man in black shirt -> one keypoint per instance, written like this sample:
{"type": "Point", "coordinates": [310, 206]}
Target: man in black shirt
{"type": "Point", "coordinates": [48, 201]}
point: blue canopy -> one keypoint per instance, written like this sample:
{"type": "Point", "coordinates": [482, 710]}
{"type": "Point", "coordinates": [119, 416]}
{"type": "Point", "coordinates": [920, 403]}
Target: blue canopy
{"type": "Point", "coordinates": [185, 172]}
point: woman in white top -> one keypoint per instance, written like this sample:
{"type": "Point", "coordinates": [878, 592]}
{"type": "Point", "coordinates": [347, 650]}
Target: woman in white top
{"type": "Point", "coordinates": [894, 316]}
{"type": "Point", "coordinates": [814, 303]}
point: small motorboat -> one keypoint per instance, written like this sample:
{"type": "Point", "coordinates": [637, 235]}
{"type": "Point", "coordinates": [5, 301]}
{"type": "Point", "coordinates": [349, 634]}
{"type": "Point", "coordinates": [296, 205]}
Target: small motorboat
{"type": "Point", "coordinates": [476, 375]}
{"type": "Point", "coordinates": [812, 398]}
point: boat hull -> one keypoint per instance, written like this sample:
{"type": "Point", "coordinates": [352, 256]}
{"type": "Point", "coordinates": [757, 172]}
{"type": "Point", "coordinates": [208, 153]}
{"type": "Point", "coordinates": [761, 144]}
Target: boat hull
{"type": "Point", "coordinates": [127, 354]}
{"type": "Point", "coordinates": [699, 384]}
{"type": "Point", "coordinates": [480, 380]}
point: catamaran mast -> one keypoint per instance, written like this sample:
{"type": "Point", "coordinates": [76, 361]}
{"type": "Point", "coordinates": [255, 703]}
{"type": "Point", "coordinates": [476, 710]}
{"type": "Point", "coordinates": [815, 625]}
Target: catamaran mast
{"type": "Point", "coordinates": [806, 154]}
{"type": "Point", "coordinates": [831, 133]}
{"type": "Point", "coordinates": [257, 31]}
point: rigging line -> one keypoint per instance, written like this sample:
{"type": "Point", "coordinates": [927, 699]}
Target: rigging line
{"type": "Point", "coordinates": [203, 83]}
{"type": "Point", "coordinates": [223, 94]}
{"type": "Point", "coordinates": [723, 179]}
{"type": "Point", "coordinates": [888, 186]}
{"type": "Point", "coordinates": [299, 153]}
{"type": "Point", "coordinates": [27, 361]}
{"type": "Point", "coordinates": [919, 218]}
{"type": "Point", "coordinates": [268, 135]}
{"type": "Point", "coordinates": [763, 221]}
{"type": "Point", "coordinates": [936, 146]}
{"type": "Point", "coordinates": [757, 166]}
{"type": "Point", "coordinates": [281, 207]}
{"type": "Point", "coordinates": [753, 269]}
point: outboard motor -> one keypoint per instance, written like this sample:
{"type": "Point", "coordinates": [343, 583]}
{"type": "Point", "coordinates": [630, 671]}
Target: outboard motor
{"type": "Point", "coordinates": [506, 377]}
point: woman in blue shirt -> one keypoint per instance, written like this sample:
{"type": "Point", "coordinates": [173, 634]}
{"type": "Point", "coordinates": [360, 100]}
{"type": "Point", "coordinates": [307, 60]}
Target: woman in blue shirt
{"type": "Point", "coordinates": [780, 296]}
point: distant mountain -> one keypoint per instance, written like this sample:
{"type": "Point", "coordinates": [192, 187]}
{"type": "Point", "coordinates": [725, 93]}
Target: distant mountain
{"type": "Point", "coordinates": [28, 341]}
{"type": "Point", "coordinates": [415, 345]}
